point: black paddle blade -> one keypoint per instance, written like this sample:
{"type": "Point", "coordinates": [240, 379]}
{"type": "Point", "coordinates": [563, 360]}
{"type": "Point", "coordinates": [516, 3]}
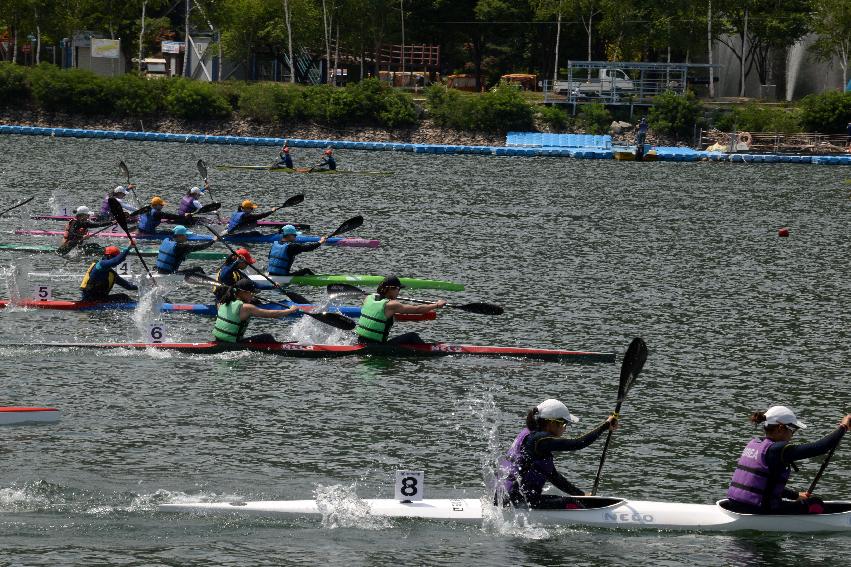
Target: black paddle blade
{"type": "Point", "coordinates": [141, 211]}
{"type": "Point", "coordinates": [480, 308]}
{"type": "Point", "coordinates": [633, 362]}
{"type": "Point", "coordinates": [344, 289]}
{"type": "Point", "coordinates": [202, 168]}
{"type": "Point", "coordinates": [21, 204]}
{"type": "Point", "coordinates": [350, 224]}
{"type": "Point", "coordinates": [294, 200]}
{"type": "Point", "coordinates": [209, 208]}
{"type": "Point", "coordinates": [124, 171]}
{"type": "Point", "coordinates": [198, 278]}
{"type": "Point", "coordinates": [296, 297]}
{"type": "Point", "coordinates": [334, 319]}
{"type": "Point", "coordinates": [118, 213]}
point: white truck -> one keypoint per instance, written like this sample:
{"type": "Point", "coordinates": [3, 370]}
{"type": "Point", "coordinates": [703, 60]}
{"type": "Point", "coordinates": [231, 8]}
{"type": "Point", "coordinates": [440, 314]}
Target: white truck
{"type": "Point", "coordinates": [606, 82]}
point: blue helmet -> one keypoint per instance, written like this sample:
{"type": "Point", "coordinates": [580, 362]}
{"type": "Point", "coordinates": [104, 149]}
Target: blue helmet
{"type": "Point", "coordinates": [288, 229]}
{"type": "Point", "coordinates": [180, 229]}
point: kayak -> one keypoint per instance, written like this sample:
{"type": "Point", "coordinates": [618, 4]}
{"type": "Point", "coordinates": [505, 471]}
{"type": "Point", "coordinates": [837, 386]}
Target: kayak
{"type": "Point", "coordinates": [150, 252]}
{"type": "Point", "coordinates": [208, 310]}
{"type": "Point", "coordinates": [300, 170]}
{"type": "Point", "coordinates": [207, 220]}
{"type": "Point", "coordinates": [14, 415]}
{"type": "Point", "coordinates": [327, 351]}
{"type": "Point", "coordinates": [247, 238]}
{"type": "Point", "coordinates": [600, 512]}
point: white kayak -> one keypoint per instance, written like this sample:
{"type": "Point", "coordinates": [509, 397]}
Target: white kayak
{"type": "Point", "coordinates": [617, 513]}
{"type": "Point", "coordinates": [16, 415]}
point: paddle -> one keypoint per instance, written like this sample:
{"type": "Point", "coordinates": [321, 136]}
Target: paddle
{"type": "Point", "coordinates": [21, 204]}
{"type": "Point", "coordinates": [202, 169]}
{"type": "Point", "coordinates": [121, 219]}
{"type": "Point", "coordinates": [229, 247]}
{"type": "Point", "coordinates": [123, 167]}
{"type": "Point", "coordinates": [294, 200]}
{"type": "Point", "coordinates": [821, 470]}
{"type": "Point", "coordinates": [63, 249]}
{"type": "Point", "coordinates": [633, 362]}
{"type": "Point", "coordinates": [208, 208]}
{"type": "Point", "coordinates": [478, 307]}
{"type": "Point", "coordinates": [351, 224]}
{"type": "Point", "coordinates": [333, 319]}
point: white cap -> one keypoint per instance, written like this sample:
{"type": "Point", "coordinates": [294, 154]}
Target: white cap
{"type": "Point", "coordinates": [195, 190]}
{"type": "Point", "coordinates": [554, 409]}
{"type": "Point", "coordinates": [119, 189]}
{"type": "Point", "coordinates": [782, 415]}
{"type": "Point", "coordinates": [82, 210]}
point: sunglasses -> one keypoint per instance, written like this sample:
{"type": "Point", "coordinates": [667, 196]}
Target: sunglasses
{"type": "Point", "coordinates": [560, 421]}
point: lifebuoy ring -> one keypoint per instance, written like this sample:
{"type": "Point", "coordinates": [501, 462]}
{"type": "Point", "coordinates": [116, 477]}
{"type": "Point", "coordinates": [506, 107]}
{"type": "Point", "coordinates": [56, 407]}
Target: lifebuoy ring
{"type": "Point", "coordinates": [745, 138]}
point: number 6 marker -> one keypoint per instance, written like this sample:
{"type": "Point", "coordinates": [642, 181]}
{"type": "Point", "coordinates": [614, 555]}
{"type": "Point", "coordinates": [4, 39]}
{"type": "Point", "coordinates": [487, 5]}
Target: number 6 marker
{"type": "Point", "coordinates": [156, 332]}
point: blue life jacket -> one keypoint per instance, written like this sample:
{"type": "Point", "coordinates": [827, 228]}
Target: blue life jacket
{"type": "Point", "coordinates": [167, 260]}
{"type": "Point", "coordinates": [522, 472]}
{"type": "Point", "coordinates": [280, 260]}
{"type": "Point", "coordinates": [235, 220]}
{"type": "Point", "coordinates": [149, 222]}
{"type": "Point", "coordinates": [752, 482]}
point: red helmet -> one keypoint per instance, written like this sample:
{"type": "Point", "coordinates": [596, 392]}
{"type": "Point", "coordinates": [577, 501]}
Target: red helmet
{"type": "Point", "coordinates": [245, 255]}
{"type": "Point", "coordinates": [286, 149]}
{"type": "Point", "coordinates": [328, 152]}
{"type": "Point", "coordinates": [111, 251]}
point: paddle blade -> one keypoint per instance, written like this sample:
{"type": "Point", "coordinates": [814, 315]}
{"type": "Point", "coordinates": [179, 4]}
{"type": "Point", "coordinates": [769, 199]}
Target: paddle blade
{"type": "Point", "coordinates": [481, 308]}
{"type": "Point", "coordinates": [202, 168]}
{"type": "Point", "coordinates": [296, 297]}
{"type": "Point", "coordinates": [351, 224]}
{"type": "Point", "coordinates": [141, 211]}
{"type": "Point", "coordinates": [294, 200]}
{"type": "Point", "coordinates": [633, 362]}
{"type": "Point", "coordinates": [344, 289]}
{"type": "Point", "coordinates": [118, 213]}
{"type": "Point", "coordinates": [334, 319]}
{"type": "Point", "coordinates": [199, 278]}
{"type": "Point", "coordinates": [124, 171]}
{"type": "Point", "coordinates": [209, 208]}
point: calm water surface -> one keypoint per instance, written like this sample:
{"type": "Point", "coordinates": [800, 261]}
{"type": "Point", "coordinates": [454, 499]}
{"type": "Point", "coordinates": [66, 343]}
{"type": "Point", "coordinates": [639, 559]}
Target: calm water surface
{"type": "Point", "coordinates": [583, 254]}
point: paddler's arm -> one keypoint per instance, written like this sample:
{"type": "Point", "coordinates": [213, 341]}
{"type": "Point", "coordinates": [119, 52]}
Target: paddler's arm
{"type": "Point", "coordinates": [186, 248]}
{"type": "Point", "coordinates": [396, 308]}
{"type": "Point", "coordinates": [296, 248]}
{"type": "Point", "coordinates": [551, 444]}
{"type": "Point", "coordinates": [249, 218]}
{"type": "Point", "coordinates": [116, 261]}
{"type": "Point", "coordinates": [96, 224]}
{"type": "Point", "coordinates": [564, 485]}
{"type": "Point", "coordinates": [249, 310]}
{"type": "Point", "coordinates": [125, 284]}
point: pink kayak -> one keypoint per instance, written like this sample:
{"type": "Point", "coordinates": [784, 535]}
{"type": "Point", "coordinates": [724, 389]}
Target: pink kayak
{"type": "Point", "coordinates": [10, 415]}
{"type": "Point", "coordinates": [299, 225]}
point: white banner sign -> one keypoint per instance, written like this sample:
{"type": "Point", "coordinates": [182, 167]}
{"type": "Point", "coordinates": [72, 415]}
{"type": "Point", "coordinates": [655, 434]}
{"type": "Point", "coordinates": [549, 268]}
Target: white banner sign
{"type": "Point", "coordinates": [172, 46]}
{"type": "Point", "coordinates": [106, 48]}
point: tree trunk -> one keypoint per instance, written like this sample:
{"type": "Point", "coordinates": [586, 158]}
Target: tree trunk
{"type": "Point", "coordinates": [558, 39]}
{"type": "Point", "coordinates": [402, 14]}
{"type": "Point", "coordinates": [337, 53]}
{"type": "Point", "coordinates": [326, 22]}
{"type": "Point", "coordinates": [142, 36]}
{"type": "Point", "coordinates": [186, 42]}
{"type": "Point", "coordinates": [590, 23]}
{"type": "Point", "coordinates": [289, 40]}
{"type": "Point", "coordinates": [709, 45]}
{"type": "Point", "coordinates": [15, 44]}
{"type": "Point", "coordinates": [742, 67]}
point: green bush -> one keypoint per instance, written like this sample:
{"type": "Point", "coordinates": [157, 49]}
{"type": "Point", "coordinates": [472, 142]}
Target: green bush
{"type": "Point", "coordinates": [194, 100]}
{"type": "Point", "coordinates": [756, 118]}
{"type": "Point", "coordinates": [555, 118]}
{"type": "Point", "coordinates": [827, 112]}
{"type": "Point", "coordinates": [594, 118]}
{"type": "Point", "coordinates": [133, 96]}
{"type": "Point", "coordinates": [399, 111]}
{"type": "Point", "coordinates": [259, 101]}
{"type": "Point", "coordinates": [675, 114]}
{"type": "Point", "coordinates": [446, 107]}
{"type": "Point", "coordinates": [14, 88]}
{"type": "Point", "coordinates": [76, 91]}
{"type": "Point", "coordinates": [498, 110]}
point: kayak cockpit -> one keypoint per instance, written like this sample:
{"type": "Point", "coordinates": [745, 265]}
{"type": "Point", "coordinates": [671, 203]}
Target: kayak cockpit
{"type": "Point", "coordinates": [587, 502]}
{"type": "Point", "coordinates": [830, 507]}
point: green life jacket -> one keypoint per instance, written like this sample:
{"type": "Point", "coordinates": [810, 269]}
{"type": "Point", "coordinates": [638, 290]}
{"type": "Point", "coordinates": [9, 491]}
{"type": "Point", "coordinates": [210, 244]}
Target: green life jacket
{"type": "Point", "coordinates": [228, 326]}
{"type": "Point", "coordinates": [373, 324]}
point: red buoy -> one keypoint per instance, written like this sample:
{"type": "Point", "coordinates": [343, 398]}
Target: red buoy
{"type": "Point", "coordinates": [784, 232]}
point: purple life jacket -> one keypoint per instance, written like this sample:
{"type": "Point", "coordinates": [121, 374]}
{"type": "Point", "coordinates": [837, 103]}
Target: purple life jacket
{"type": "Point", "coordinates": [187, 205]}
{"type": "Point", "coordinates": [104, 208]}
{"type": "Point", "coordinates": [522, 472]}
{"type": "Point", "coordinates": [752, 478]}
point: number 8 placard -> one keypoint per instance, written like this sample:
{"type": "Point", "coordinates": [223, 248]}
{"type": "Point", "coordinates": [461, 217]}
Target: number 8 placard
{"type": "Point", "coordinates": [409, 486]}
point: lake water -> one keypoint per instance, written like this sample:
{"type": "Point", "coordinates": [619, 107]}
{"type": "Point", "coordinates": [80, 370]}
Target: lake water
{"type": "Point", "coordinates": [582, 254]}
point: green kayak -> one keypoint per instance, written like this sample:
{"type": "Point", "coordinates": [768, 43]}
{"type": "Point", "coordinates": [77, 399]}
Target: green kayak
{"type": "Point", "coordinates": [300, 170]}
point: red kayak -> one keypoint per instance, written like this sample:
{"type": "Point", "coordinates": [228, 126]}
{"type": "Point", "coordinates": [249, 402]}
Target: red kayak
{"type": "Point", "coordinates": [14, 415]}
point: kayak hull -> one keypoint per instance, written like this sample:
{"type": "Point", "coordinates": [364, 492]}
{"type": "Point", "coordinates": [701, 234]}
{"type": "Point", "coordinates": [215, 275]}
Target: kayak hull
{"type": "Point", "coordinates": [213, 220]}
{"type": "Point", "coordinates": [612, 513]}
{"type": "Point", "coordinates": [322, 280]}
{"type": "Point", "coordinates": [17, 415]}
{"type": "Point", "coordinates": [246, 238]}
{"type": "Point", "coordinates": [276, 169]}
{"type": "Point", "coordinates": [149, 253]}
{"type": "Point", "coordinates": [332, 351]}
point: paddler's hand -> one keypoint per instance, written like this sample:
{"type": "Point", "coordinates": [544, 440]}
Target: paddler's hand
{"type": "Point", "coordinates": [131, 186]}
{"type": "Point", "coordinates": [613, 422]}
{"type": "Point", "coordinates": [323, 239]}
{"type": "Point", "coordinates": [440, 303]}
{"type": "Point", "coordinates": [846, 422]}
{"type": "Point", "coordinates": [803, 495]}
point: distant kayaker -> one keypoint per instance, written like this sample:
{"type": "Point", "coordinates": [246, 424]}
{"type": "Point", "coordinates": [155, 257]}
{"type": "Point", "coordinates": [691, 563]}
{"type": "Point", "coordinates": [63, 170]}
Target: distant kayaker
{"type": "Point", "coordinates": [379, 309]}
{"type": "Point", "coordinates": [283, 253]}
{"type": "Point", "coordinates": [101, 276]}
{"type": "Point", "coordinates": [119, 193]}
{"type": "Point", "coordinates": [148, 222]}
{"type": "Point", "coordinates": [232, 271]}
{"type": "Point", "coordinates": [190, 202]}
{"type": "Point", "coordinates": [78, 228]}
{"type": "Point", "coordinates": [529, 463]}
{"type": "Point", "coordinates": [174, 249]}
{"type": "Point", "coordinates": [759, 481]}
{"type": "Point", "coordinates": [236, 309]}
{"type": "Point", "coordinates": [245, 218]}
{"type": "Point", "coordinates": [328, 162]}
{"type": "Point", "coordinates": [284, 158]}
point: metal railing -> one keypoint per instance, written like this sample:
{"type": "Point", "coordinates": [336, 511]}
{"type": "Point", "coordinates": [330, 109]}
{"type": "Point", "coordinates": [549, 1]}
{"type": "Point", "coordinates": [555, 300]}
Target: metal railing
{"type": "Point", "coordinates": [774, 142]}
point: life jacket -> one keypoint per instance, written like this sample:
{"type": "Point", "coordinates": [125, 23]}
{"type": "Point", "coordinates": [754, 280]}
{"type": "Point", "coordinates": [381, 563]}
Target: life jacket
{"type": "Point", "coordinates": [75, 230]}
{"type": "Point", "coordinates": [280, 260]}
{"type": "Point", "coordinates": [235, 220]}
{"type": "Point", "coordinates": [228, 327]}
{"type": "Point", "coordinates": [167, 259]}
{"type": "Point", "coordinates": [104, 208]}
{"type": "Point", "coordinates": [752, 482]}
{"type": "Point", "coordinates": [149, 222]}
{"type": "Point", "coordinates": [96, 283]}
{"type": "Point", "coordinates": [373, 324]}
{"type": "Point", "coordinates": [331, 163]}
{"type": "Point", "coordinates": [187, 205]}
{"type": "Point", "coordinates": [523, 473]}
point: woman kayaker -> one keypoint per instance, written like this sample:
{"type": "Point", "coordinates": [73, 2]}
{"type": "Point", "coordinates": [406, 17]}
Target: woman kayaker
{"type": "Point", "coordinates": [283, 253]}
{"type": "Point", "coordinates": [118, 194]}
{"type": "Point", "coordinates": [328, 162]}
{"type": "Point", "coordinates": [175, 248]}
{"type": "Point", "coordinates": [284, 158]}
{"type": "Point", "coordinates": [231, 271]}
{"type": "Point", "coordinates": [190, 202]}
{"type": "Point", "coordinates": [78, 228]}
{"type": "Point", "coordinates": [148, 222]}
{"type": "Point", "coordinates": [244, 217]}
{"type": "Point", "coordinates": [101, 276]}
{"type": "Point", "coordinates": [235, 311]}
{"type": "Point", "coordinates": [759, 481]}
{"type": "Point", "coordinates": [378, 311]}
{"type": "Point", "coordinates": [529, 463]}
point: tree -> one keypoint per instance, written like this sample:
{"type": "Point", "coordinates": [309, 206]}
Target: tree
{"type": "Point", "coordinates": [832, 23]}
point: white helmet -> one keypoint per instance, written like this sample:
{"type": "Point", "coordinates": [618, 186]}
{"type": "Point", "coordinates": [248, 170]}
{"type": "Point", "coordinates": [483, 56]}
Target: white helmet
{"type": "Point", "coordinates": [119, 189]}
{"type": "Point", "coordinates": [82, 210]}
{"type": "Point", "coordinates": [783, 416]}
{"type": "Point", "coordinates": [554, 409]}
{"type": "Point", "coordinates": [195, 191]}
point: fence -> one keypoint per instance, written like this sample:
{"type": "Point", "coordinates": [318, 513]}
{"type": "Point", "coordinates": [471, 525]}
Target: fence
{"type": "Point", "coordinates": [774, 142]}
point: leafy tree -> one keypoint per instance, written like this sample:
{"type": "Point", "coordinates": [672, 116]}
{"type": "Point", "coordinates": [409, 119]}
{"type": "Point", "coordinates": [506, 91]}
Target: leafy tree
{"type": "Point", "coordinates": [675, 114]}
{"type": "Point", "coordinates": [832, 23]}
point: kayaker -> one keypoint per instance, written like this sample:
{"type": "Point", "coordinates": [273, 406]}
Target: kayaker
{"type": "Point", "coordinates": [78, 227]}
{"type": "Point", "coordinates": [119, 193]}
{"type": "Point", "coordinates": [236, 309]}
{"type": "Point", "coordinates": [101, 276]}
{"type": "Point", "coordinates": [174, 249]}
{"type": "Point", "coordinates": [379, 309]}
{"type": "Point", "coordinates": [244, 217]}
{"type": "Point", "coordinates": [283, 253]}
{"type": "Point", "coordinates": [284, 158]}
{"type": "Point", "coordinates": [231, 271]}
{"type": "Point", "coordinates": [190, 202]}
{"type": "Point", "coordinates": [759, 481]}
{"type": "Point", "coordinates": [148, 222]}
{"type": "Point", "coordinates": [529, 463]}
{"type": "Point", "coordinates": [328, 162]}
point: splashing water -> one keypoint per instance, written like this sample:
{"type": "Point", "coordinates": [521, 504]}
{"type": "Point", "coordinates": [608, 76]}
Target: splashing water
{"type": "Point", "coordinates": [341, 508]}
{"type": "Point", "coordinates": [151, 298]}
{"type": "Point", "coordinates": [308, 330]}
